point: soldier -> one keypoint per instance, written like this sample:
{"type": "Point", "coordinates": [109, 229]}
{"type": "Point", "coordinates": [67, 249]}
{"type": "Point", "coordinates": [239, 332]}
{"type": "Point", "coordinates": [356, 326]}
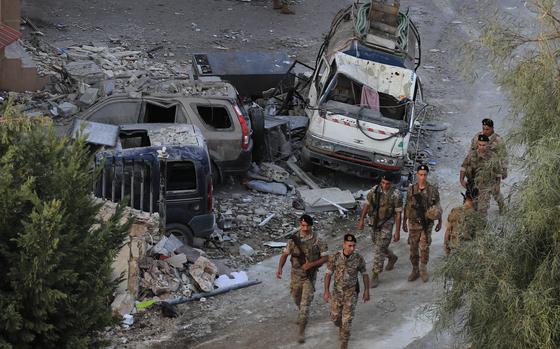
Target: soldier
{"type": "Point", "coordinates": [483, 171]}
{"type": "Point", "coordinates": [282, 5]}
{"type": "Point", "coordinates": [496, 147]}
{"type": "Point", "coordinates": [462, 223]}
{"type": "Point", "coordinates": [307, 253]}
{"type": "Point", "coordinates": [345, 265]}
{"type": "Point", "coordinates": [421, 209]}
{"type": "Point", "coordinates": [383, 206]}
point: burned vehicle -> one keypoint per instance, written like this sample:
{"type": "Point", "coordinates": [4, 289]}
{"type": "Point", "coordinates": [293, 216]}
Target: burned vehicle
{"type": "Point", "coordinates": [365, 95]}
{"type": "Point", "coordinates": [140, 162]}
{"type": "Point", "coordinates": [213, 107]}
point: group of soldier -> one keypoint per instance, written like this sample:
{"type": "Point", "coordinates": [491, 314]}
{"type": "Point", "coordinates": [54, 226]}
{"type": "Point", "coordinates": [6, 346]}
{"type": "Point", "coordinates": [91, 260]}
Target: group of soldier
{"type": "Point", "coordinates": [480, 174]}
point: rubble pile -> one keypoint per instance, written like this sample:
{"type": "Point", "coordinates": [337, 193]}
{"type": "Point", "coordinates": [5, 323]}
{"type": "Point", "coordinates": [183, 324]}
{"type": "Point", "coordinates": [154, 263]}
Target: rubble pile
{"type": "Point", "coordinates": [79, 75]}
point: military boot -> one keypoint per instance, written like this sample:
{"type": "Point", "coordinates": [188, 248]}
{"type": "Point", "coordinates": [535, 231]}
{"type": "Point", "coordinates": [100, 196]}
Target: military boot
{"type": "Point", "coordinates": [391, 263]}
{"type": "Point", "coordinates": [374, 282]}
{"type": "Point", "coordinates": [344, 344]}
{"type": "Point", "coordinates": [286, 10]}
{"type": "Point", "coordinates": [301, 333]}
{"type": "Point", "coordinates": [415, 274]}
{"type": "Point", "coordinates": [424, 272]}
{"type": "Point", "coordinates": [276, 4]}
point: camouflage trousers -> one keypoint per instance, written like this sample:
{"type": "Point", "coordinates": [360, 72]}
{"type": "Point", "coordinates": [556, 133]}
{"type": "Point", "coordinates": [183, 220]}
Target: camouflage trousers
{"type": "Point", "coordinates": [381, 239]}
{"type": "Point", "coordinates": [419, 241]}
{"type": "Point", "coordinates": [343, 304]}
{"type": "Point", "coordinates": [302, 291]}
{"type": "Point", "coordinates": [486, 192]}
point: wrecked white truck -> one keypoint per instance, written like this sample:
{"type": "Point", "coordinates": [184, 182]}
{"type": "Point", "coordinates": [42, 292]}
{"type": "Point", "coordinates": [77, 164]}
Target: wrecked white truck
{"type": "Point", "coordinates": [364, 94]}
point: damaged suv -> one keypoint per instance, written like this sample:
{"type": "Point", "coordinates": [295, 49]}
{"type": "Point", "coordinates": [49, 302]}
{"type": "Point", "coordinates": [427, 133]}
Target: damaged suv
{"type": "Point", "coordinates": [213, 107]}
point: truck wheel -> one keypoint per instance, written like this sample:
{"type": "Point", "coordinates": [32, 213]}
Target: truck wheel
{"type": "Point", "coordinates": [181, 231]}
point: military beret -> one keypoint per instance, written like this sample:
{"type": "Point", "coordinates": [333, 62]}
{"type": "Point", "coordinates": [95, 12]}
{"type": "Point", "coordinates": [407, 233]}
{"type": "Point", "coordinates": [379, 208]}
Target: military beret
{"type": "Point", "coordinates": [350, 238]}
{"type": "Point", "coordinates": [483, 138]}
{"type": "Point", "coordinates": [423, 167]}
{"type": "Point", "coordinates": [488, 122]}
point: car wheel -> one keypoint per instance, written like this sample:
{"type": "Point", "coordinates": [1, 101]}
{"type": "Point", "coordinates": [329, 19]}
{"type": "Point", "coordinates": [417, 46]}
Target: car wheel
{"type": "Point", "coordinates": [257, 122]}
{"type": "Point", "coordinates": [181, 231]}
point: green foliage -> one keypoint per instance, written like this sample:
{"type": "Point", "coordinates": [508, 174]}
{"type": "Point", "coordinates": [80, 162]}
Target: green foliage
{"type": "Point", "coordinates": [55, 254]}
{"type": "Point", "coordinates": [506, 283]}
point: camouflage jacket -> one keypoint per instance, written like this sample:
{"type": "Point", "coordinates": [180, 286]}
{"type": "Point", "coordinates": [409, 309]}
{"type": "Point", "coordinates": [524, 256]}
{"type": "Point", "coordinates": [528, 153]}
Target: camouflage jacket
{"type": "Point", "coordinates": [465, 222]}
{"type": "Point", "coordinates": [312, 248]}
{"type": "Point", "coordinates": [429, 196]}
{"type": "Point", "coordinates": [389, 203]}
{"type": "Point", "coordinates": [345, 270]}
{"type": "Point", "coordinates": [496, 146]}
{"type": "Point", "coordinates": [482, 170]}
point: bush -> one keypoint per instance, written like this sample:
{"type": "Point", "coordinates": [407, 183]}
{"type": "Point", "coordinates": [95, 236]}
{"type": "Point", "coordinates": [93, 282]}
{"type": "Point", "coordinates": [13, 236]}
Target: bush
{"type": "Point", "coordinates": [55, 255]}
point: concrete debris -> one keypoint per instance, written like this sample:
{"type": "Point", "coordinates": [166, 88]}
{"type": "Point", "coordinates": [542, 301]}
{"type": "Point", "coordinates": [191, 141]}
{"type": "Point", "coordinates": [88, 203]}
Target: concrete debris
{"type": "Point", "coordinates": [67, 109]}
{"type": "Point", "coordinates": [85, 71]}
{"type": "Point", "coordinates": [167, 245]}
{"type": "Point", "coordinates": [274, 172]}
{"type": "Point", "coordinates": [266, 220]}
{"type": "Point", "coordinates": [320, 200]}
{"type": "Point", "coordinates": [203, 271]}
{"type": "Point", "coordinates": [302, 175]}
{"type": "Point", "coordinates": [128, 320]}
{"type": "Point", "coordinates": [246, 250]}
{"type": "Point", "coordinates": [123, 304]}
{"type": "Point", "coordinates": [177, 261]}
{"type": "Point", "coordinates": [89, 97]}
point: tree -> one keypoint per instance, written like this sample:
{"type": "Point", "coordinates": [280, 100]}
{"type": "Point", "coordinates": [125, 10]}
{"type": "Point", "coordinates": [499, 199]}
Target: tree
{"type": "Point", "coordinates": [505, 289]}
{"type": "Point", "coordinates": [55, 255]}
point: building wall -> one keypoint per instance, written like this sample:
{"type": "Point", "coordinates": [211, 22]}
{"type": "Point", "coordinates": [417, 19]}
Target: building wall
{"type": "Point", "coordinates": [10, 13]}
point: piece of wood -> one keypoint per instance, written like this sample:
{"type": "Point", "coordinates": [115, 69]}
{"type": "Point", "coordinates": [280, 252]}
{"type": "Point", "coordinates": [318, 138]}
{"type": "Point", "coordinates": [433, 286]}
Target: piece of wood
{"type": "Point", "coordinates": [302, 175]}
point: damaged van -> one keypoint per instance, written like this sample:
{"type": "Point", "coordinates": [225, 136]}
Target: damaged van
{"type": "Point", "coordinates": [364, 96]}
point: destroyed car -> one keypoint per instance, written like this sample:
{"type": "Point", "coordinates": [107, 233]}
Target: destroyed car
{"type": "Point", "coordinates": [211, 106]}
{"type": "Point", "coordinates": [133, 169]}
{"type": "Point", "coordinates": [365, 94]}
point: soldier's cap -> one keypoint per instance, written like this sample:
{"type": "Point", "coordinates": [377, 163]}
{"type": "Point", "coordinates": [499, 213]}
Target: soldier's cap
{"type": "Point", "coordinates": [488, 122]}
{"type": "Point", "coordinates": [483, 138]}
{"type": "Point", "coordinates": [350, 238]}
{"type": "Point", "coordinates": [423, 167]}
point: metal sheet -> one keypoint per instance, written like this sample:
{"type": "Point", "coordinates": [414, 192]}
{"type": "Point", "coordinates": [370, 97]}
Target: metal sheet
{"type": "Point", "coordinates": [395, 81]}
{"type": "Point", "coordinates": [95, 132]}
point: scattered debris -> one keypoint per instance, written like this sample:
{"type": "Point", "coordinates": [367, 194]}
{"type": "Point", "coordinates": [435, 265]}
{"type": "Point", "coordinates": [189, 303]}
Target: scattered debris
{"type": "Point", "coordinates": [266, 220]}
{"type": "Point", "coordinates": [268, 187]}
{"type": "Point", "coordinates": [302, 175]}
{"type": "Point", "coordinates": [275, 244]}
{"type": "Point", "coordinates": [246, 250]}
{"type": "Point", "coordinates": [327, 199]}
{"type": "Point", "coordinates": [203, 271]}
{"type": "Point", "coordinates": [225, 281]}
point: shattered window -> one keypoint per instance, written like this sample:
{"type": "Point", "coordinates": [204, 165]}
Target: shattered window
{"type": "Point", "coordinates": [159, 114]}
{"type": "Point", "coordinates": [135, 140]}
{"type": "Point", "coordinates": [181, 175]}
{"type": "Point", "coordinates": [216, 117]}
{"type": "Point", "coordinates": [117, 113]}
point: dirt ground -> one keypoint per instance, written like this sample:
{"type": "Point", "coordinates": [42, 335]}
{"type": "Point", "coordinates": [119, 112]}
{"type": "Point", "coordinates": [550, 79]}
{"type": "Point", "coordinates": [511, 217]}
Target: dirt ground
{"type": "Point", "coordinates": [263, 316]}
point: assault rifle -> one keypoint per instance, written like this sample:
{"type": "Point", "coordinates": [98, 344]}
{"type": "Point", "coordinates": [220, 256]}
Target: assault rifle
{"type": "Point", "coordinates": [302, 259]}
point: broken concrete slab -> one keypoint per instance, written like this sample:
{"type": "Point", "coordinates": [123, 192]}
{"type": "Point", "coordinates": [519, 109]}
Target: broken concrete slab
{"type": "Point", "coordinates": [314, 199]}
{"type": "Point", "coordinates": [89, 96]}
{"type": "Point", "coordinates": [123, 304]}
{"type": "Point", "coordinates": [167, 245]}
{"type": "Point", "coordinates": [236, 279]}
{"type": "Point", "coordinates": [246, 250]}
{"type": "Point", "coordinates": [203, 271]}
{"type": "Point", "coordinates": [67, 109]}
{"type": "Point", "coordinates": [177, 261]}
{"type": "Point", "coordinates": [274, 172]}
{"type": "Point", "coordinates": [86, 71]}
{"type": "Point", "coordinates": [302, 175]}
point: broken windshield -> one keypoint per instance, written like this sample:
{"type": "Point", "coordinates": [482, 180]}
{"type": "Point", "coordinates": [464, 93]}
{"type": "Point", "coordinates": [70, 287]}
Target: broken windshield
{"type": "Point", "coordinates": [350, 98]}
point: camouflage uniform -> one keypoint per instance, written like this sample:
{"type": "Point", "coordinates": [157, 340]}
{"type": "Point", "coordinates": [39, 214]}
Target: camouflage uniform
{"type": "Point", "coordinates": [484, 172]}
{"type": "Point", "coordinates": [496, 146]}
{"type": "Point", "coordinates": [464, 222]}
{"type": "Point", "coordinates": [302, 285]}
{"type": "Point", "coordinates": [382, 233]}
{"type": "Point", "coordinates": [345, 292]}
{"type": "Point", "coordinates": [418, 238]}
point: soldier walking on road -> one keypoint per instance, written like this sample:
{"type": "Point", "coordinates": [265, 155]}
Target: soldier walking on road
{"type": "Point", "coordinates": [482, 170]}
{"type": "Point", "coordinates": [497, 149]}
{"type": "Point", "coordinates": [282, 5]}
{"type": "Point", "coordinates": [345, 266]}
{"type": "Point", "coordinates": [383, 207]}
{"type": "Point", "coordinates": [307, 253]}
{"type": "Point", "coordinates": [421, 210]}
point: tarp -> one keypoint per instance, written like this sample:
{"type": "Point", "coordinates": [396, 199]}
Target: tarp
{"type": "Point", "coordinates": [395, 81]}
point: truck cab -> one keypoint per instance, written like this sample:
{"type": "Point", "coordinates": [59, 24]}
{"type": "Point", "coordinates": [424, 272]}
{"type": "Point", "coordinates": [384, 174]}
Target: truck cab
{"type": "Point", "coordinates": [363, 99]}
